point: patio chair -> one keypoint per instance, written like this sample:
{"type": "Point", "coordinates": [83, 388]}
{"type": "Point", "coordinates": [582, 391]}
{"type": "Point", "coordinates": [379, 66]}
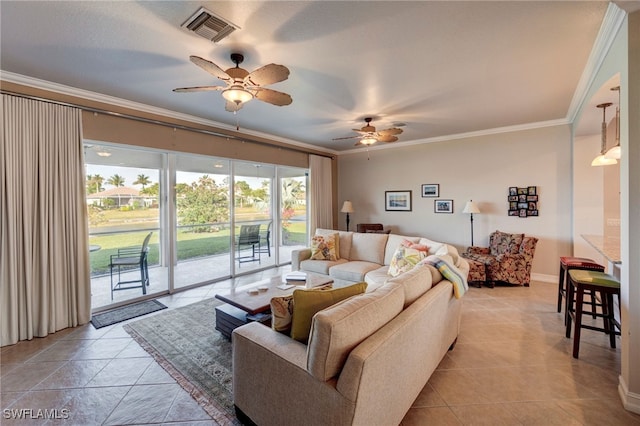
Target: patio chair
{"type": "Point", "coordinates": [249, 238]}
{"type": "Point", "coordinates": [265, 239]}
{"type": "Point", "coordinates": [129, 258]}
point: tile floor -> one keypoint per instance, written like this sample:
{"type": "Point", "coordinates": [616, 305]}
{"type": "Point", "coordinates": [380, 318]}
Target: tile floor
{"type": "Point", "coordinates": [512, 365]}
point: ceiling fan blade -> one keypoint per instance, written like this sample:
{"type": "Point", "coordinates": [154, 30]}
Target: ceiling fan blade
{"type": "Point", "coordinates": [273, 97]}
{"type": "Point", "coordinates": [198, 89]}
{"type": "Point", "coordinates": [232, 106]}
{"type": "Point", "coordinates": [391, 131]}
{"type": "Point", "coordinates": [386, 138]}
{"type": "Point", "coordinates": [348, 137]}
{"type": "Point", "coordinates": [210, 67]}
{"type": "Point", "coordinates": [269, 74]}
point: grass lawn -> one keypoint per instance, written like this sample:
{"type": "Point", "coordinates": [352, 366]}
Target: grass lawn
{"type": "Point", "coordinates": [190, 244]}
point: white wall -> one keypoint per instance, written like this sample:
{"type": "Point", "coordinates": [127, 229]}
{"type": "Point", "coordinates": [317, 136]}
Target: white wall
{"type": "Point", "coordinates": [479, 168]}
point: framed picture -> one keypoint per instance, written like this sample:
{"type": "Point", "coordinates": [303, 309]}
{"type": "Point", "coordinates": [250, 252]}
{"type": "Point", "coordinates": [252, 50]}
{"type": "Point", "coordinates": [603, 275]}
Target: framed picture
{"type": "Point", "coordinates": [431, 190]}
{"type": "Point", "coordinates": [513, 190]}
{"type": "Point", "coordinates": [443, 206]}
{"type": "Point", "coordinates": [399, 201]}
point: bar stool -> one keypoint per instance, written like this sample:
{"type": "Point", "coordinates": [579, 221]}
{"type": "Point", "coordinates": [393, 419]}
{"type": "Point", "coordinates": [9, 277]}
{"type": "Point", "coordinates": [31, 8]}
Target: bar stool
{"type": "Point", "coordinates": [581, 281]}
{"type": "Point", "coordinates": [568, 263]}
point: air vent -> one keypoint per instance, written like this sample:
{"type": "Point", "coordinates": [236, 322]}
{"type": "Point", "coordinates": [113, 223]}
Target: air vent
{"type": "Point", "coordinates": [208, 25]}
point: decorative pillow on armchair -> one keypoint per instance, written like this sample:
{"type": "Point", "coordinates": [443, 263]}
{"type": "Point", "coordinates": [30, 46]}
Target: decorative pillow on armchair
{"type": "Point", "coordinates": [404, 259]}
{"type": "Point", "coordinates": [324, 247]}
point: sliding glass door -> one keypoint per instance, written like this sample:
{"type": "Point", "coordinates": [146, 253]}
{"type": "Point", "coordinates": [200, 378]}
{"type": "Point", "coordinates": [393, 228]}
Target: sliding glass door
{"type": "Point", "coordinates": [209, 218]}
{"type": "Point", "coordinates": [253, 216]}
{"type": "Point", "coordinates": [202, 226]}
{"type": "Point", "coordinates": [123, 206]}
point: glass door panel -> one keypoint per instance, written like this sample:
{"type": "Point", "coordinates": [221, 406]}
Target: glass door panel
{"type": "Point", "coordinates": [253, 216]}
{"type": "Point", "coordinates": [123, 205]}
{"type": "Point", "coordinates": [202, 231]}
{"type": "Point", "coordinates": [293, 221]}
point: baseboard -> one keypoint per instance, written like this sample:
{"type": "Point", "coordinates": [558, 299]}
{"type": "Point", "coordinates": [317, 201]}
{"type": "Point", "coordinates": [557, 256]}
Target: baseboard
{"type": "Point", "coordinates": [544, 278]}
{"type": "Point", "coordinates": [630, 400]}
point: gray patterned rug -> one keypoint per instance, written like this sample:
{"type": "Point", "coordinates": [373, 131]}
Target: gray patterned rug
{"type": "Point", "coordinates": [124, 313]}
{"type": "Point", "coordinates": [185, 343]}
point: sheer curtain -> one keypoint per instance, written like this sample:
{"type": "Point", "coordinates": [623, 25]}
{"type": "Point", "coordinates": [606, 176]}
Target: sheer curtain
{"type": "Point", "coordinates": [320, 197]}
{"type": "Point", "coordinates": [44, 266]}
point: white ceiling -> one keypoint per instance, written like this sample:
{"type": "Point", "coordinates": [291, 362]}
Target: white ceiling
{"type": "Point", "coordinates": [442, 68]}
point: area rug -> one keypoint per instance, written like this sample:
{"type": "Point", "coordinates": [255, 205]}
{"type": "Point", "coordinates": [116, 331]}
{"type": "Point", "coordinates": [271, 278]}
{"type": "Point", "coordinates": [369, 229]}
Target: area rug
{"type": "Point", "coordinates": [185, 343]}
{"type": "Point", "coordinates": [126, 312]}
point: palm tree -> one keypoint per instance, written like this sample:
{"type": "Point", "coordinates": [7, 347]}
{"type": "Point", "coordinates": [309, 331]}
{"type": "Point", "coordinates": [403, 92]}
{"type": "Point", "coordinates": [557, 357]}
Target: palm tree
{"type": "Point", "coordinates": [94, 183]}
{"type": "Point", "coordinates": [142, 180]}
{"type": "Point", "coordinates": [116, 180]}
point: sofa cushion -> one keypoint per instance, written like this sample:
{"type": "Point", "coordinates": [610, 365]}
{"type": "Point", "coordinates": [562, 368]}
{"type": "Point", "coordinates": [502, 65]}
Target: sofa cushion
{"type": "Point", "coordinates": [368, 247]}
{"type": "Point", "coordinates": [324, 247]}
{"type": "Point", "coordinates": [344, 241]}
{"type": "Point", "coordinates": [306, 303]}
{"type": "Point", "coordinates": [415, 282]}
{"type": "Point", "coordinates": [376, 278]}
{"type": "Point", "coordinates": [405, 259]}
{"type": "Point", "coordinates": [354, 271]}
{"type": "Point", "coordinates": [320, 266]}
{"type": "Point", "coordinates": [392, 244]}
{"type": "Point", "coordinates": [335, 331]}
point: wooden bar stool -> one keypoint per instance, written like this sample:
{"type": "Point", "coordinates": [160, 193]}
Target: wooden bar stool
{"type": "Point", "coordinates": [581, 281]}
{"type": "Point", "coordinates": [568, 263]}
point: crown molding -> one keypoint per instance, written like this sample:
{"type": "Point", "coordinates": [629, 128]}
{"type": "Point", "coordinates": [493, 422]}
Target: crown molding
{"type": "Point", "coordinates": [124, 103]}
{"type": "Point", "coordinates": [613, 20]}
{"type": "Point", "coordinates": [494, 131]}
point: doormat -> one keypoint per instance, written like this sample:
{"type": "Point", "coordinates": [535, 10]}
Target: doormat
{"type": "Point", "coordinates": [126, 312]}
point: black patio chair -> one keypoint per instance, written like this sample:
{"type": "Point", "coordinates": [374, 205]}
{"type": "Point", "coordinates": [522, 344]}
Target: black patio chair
{"type": "Point", "coordinates": [265, 239]}
{"type": "Point", "coordinates": [249, 238]}
{"type": "Point", "coordinates": [129, 258]}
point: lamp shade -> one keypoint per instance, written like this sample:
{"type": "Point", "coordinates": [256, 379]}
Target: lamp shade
{"type": "Point", "coordinates": [347, 207]}
{"type": "Point", "coordinates": [613, 153]}
{"type": "Point", "coordinates": [601, 160]}
{"type": "Point", "coordinates": [237, 94]}
{"type": "Point", "coordinates": [471, 207]}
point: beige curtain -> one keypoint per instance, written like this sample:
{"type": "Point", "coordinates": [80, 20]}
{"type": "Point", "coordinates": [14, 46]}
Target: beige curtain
{"type": "Point", "coordinates": [44, 266]}
{"type": "Point", "coordinates": [320, 196]}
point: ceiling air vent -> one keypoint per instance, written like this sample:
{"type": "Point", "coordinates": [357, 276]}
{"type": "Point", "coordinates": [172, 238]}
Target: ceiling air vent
{"type": "Point", "coordinates": [208, 25]}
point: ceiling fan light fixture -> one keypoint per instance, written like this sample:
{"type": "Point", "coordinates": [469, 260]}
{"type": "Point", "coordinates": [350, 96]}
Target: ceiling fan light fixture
{"type": "Point", "coordinates": [103, 153]}
{"type": "Point", "coordinates": [237, 94]}
{"type": "Point", "coordinates": [601, 160]}
{"type": "Point", "coordinates": [369, 140]}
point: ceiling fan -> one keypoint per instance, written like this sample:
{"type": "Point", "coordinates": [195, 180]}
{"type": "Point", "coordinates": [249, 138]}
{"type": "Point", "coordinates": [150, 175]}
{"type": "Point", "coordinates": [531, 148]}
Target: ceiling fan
{"type": "Point", "coordinates": [368, 134]}
{"type": "Point", "coordinates": [241, 85]}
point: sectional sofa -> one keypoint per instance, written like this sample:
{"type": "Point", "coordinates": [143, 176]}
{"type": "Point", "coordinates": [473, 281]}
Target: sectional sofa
{"type": "Point", "coordinates": [367, 357]}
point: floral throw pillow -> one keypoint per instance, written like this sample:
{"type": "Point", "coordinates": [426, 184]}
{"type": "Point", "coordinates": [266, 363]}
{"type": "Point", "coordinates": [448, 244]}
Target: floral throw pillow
{"type": "Point", "coordinates": [404, 259]}
{"type": "Point", "coordinates": [323, 247]}
{"type": "Point", "coordinates": [282, 310]}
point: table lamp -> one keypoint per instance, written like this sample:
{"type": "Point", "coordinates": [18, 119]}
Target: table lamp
{"type": "Point", "coordinates": [471, 208]}
{"type": "Point", "coordinates": [347, 208]}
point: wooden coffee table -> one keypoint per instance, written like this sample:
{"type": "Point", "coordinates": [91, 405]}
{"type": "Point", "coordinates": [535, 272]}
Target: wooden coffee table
{"type": "Point", "coordinates": [244, 304]}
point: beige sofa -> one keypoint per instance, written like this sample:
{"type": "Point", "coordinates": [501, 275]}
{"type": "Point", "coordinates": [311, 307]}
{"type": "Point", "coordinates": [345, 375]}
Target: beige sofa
{"type": "Point", "coordinates": [367, 256]}
{"type": "Point", "coordinates": [367, 359]}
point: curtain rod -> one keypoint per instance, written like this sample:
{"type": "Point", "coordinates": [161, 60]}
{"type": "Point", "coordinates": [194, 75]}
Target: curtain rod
{"type": "Point", "coordinates": [158, 122]}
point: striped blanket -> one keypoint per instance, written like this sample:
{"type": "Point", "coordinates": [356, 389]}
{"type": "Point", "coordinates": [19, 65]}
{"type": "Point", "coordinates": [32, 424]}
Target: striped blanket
{"type": "Point", "coordinates": [450, 272]}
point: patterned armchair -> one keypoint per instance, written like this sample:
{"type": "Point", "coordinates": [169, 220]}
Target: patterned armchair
{"type": "Point", "coordinates": [507, 259]}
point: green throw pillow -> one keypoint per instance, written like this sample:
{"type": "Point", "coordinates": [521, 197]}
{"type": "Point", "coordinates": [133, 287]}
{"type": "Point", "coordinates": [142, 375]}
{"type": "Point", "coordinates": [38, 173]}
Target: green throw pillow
{"type": "Point", "coordinates": [306, 303]}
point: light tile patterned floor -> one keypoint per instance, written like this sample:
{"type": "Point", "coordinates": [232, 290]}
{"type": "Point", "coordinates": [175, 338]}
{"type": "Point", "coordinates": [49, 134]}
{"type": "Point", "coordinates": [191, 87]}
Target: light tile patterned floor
{"type": "Point", "coordinates": [512, 365]}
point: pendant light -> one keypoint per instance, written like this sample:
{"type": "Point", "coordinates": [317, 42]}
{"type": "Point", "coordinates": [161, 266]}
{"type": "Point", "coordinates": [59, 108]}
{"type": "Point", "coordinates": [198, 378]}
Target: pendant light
{"type": "Point", "coordinates": [600, 160]}
{"type": "Point", "coordinates": [615, 152]}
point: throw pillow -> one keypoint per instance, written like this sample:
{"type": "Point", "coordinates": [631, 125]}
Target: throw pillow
{"type": "Point", "coordinates": [409, 244]}
{"type": "Point", "coordinates": [306, 303]}
{"type": "Point", "coordinates": [323, 247]}
{"type": "Point", "coordinates": [282, 310]}
{"type": "Point", "coordinates": [404, 259]}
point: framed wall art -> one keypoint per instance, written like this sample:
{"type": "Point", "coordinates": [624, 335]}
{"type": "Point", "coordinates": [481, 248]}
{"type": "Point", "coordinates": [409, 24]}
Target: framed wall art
{"type": "Point", "coordinates": [431, 190]}
{"type": "Point", "coordinates": [398, 201]}
{"type": "Point", "coordinates": [523, 202]}
{"type": "Point", "coordinates": [443, 206]}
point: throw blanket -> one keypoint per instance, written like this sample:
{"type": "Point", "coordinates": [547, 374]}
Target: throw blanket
{"type": "Point", "coordinates": [450, 272]}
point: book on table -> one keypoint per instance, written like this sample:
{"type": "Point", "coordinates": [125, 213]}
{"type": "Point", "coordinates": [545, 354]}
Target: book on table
{"type": "Point", "coordinates": [296, 276]}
